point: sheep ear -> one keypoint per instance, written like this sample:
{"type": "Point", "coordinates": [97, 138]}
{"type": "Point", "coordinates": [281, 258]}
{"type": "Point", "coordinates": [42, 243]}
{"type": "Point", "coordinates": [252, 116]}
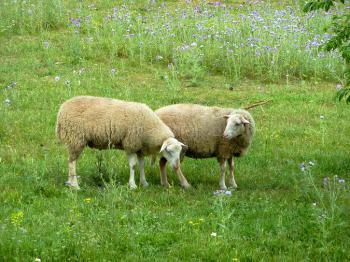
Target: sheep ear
{"type": "Point", "coordinates": [183, 145]}
{"type": "Point", "coordinates": [245, 121]}
{"type": "Point", "coordinates": [163, 147]}
{"type": "Point", "coordinates": [226, 116]}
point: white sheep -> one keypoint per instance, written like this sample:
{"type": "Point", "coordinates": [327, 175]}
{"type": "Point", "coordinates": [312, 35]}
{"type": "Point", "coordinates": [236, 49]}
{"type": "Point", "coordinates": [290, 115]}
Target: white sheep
{"type": "Point", "coordinates": [209, 132]}
{"type": "Point", "coordinates": [105, 123]}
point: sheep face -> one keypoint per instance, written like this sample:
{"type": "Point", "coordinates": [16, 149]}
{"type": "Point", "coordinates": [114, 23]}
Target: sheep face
{"type": "Point", "coordinates": [171, 150]}
{"type": "Point", "coordinates": [235, 126]}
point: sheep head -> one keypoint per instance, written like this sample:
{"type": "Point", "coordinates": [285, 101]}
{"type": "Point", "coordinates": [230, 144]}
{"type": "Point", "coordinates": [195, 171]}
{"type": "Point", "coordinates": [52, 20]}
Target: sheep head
{"type": "Point", "coordinates": [236, 125]}
{"type": "Point", "coordinates": [171, 150]}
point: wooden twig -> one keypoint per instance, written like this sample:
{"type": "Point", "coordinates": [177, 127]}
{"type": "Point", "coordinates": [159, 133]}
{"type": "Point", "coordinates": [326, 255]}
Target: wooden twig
{"type": "Point", "coordinates": [257, 104]}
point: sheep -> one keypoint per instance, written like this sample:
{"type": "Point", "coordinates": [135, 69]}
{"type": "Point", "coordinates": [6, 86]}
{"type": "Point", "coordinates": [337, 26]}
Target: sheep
{"type": "Point", "coordinates": [223, 133]}
{"type": "Point", "coordinates": [105, 123]}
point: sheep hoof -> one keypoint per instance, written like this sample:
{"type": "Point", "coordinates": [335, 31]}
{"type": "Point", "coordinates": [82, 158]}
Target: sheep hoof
{"type": "Point", "coordinates": [72, 185]}
{"type": "Point", "coordinates": [186, 186]}
{"type": "Point", "coordinates": [167, 185]}
{"type": "Point", "coordinates": [223, 187]}
{"type": "Point", "coordinates": [133, 186]}
{"type": "Point", "coordinates": [233, 185]}
{"type": "Point", "coordinates": [145, 184]}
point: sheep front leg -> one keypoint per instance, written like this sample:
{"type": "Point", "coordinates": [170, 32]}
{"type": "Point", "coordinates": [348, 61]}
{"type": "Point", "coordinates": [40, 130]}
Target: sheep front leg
{"type": "Point", "coordinates": [132, 163]}
{"type": "Point", "coordinates": [163, 176]}
{"type": "Point", "coordinates": [181, 177]}
{"type": "Point", "coordinates": [142, 171]}
{"type": "Point", "coordinates": [232, 177]}
{"type": "Point", "coordinates": [222, 163]}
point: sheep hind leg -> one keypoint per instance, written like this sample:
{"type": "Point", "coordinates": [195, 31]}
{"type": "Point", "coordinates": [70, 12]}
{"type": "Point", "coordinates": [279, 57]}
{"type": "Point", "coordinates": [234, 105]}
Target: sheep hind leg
{"type": "Point", "coordinates": [232, 180]}
{"type": "Point", "coordinates": [222, 163]}
{"type": "Point", "coordinates": [132, 163]}
{"type": "Point", "coordinates": [163, 175]}
{"type": "Point", "coordinates": [142, 171]}
{"type": "Point", "coordinates": [72, 162]}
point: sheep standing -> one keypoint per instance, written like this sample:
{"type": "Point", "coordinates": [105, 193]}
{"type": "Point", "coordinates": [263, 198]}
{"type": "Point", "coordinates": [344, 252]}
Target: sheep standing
{"type": "Point", "coordinates": [105, 123]}
{"type": "Point", "coordinates": [209, 132]}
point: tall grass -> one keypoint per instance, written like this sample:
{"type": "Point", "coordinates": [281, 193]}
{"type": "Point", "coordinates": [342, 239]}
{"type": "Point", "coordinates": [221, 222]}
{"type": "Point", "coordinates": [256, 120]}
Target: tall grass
{"type": "Point", "coordinates": [256, 41]}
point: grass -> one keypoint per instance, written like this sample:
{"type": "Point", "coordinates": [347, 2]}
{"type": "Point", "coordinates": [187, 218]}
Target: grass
{"type": "Point", "coordinates": [279, 211]}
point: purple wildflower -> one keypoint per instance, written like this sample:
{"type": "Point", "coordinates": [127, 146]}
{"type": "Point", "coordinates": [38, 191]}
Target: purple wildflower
{"type": "Point", "coordinates": [76, 21]}
{"type": "Point", "coordinates": [46, 44]}
{"type": "Point", "coordinates": [325, 181]}
{"type": "Point", "coordinates": [10, 86]}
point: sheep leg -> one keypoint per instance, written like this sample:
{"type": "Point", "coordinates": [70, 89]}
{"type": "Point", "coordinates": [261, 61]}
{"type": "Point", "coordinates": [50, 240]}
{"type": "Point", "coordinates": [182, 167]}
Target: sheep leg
{"type": "Point", "coordinates": [163, 176]}
{"type": "Point", "coordinates": [232, 177]}
{"type": "Point", "coordinates": [142, 171]}
{"type": "Point", "coordinates": [181, 177]}
{"type": "Point", "coordinates": [72, 163]}
{"type": "Point", "coordinates": [132, 163]}
{"type": "Point", "coordinates": [222, 163]}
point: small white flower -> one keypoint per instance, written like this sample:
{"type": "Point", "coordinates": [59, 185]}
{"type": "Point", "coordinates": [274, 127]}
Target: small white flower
{"type": "Point", "coordinates": [338, 87]}
{"type": "Point", "coordinates": [37, 260]}
{"type": "Point", "coordinates": [213, 234]}
{"type": "Point", "coordinates": [7, 101]}
{"type": "Point", "coordinates": [194, 44]}
{"type": "Point", "coordinates": [314, 204]}
{"type": "Point", "coordinates": [113, 71]}
{"type": "Point", "coordinates": [57, 78]}
{"type": "Point", "coordinates": [159, 57]}
{"type": "Point", "coordinates": [311, 163]}
{"type": "Point", "coordinates": [321, 116]}
{"type": "Point", "coordinates": [341, 181]}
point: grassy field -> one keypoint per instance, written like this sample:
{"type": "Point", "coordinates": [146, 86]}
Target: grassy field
{"type": "Point", "coordinates": [293, 201]}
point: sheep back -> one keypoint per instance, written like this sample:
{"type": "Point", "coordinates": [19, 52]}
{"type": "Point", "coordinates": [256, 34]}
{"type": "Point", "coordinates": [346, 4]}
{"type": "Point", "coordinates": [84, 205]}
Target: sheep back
{"type": "Point", "coordinates": [109, 123]}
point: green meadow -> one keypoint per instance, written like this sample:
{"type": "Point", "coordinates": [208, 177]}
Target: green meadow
{"type": "Point", "coordinates": [293, 197]}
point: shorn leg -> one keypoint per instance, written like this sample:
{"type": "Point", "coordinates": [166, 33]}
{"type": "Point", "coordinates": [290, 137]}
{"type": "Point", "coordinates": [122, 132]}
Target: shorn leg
{"type": "Point", "coordinates": [132, 163]}
{"type": "Point", "coordinates": [142, 171]}
{"type": "Point", "coordinates": [72, 162]}
{"type": "Point", "coordinates": [232, 177]}
{"type": "Point", "coordinates": [222, 163]}
{"type": "Point", "coordinates": [163, 176]}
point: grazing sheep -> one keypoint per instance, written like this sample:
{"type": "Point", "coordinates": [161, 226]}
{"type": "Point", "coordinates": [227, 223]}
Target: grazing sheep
{"type": "Point", "coordinates": [105, 123]}
{"type": "Point", "coordinates": [209, 132]}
